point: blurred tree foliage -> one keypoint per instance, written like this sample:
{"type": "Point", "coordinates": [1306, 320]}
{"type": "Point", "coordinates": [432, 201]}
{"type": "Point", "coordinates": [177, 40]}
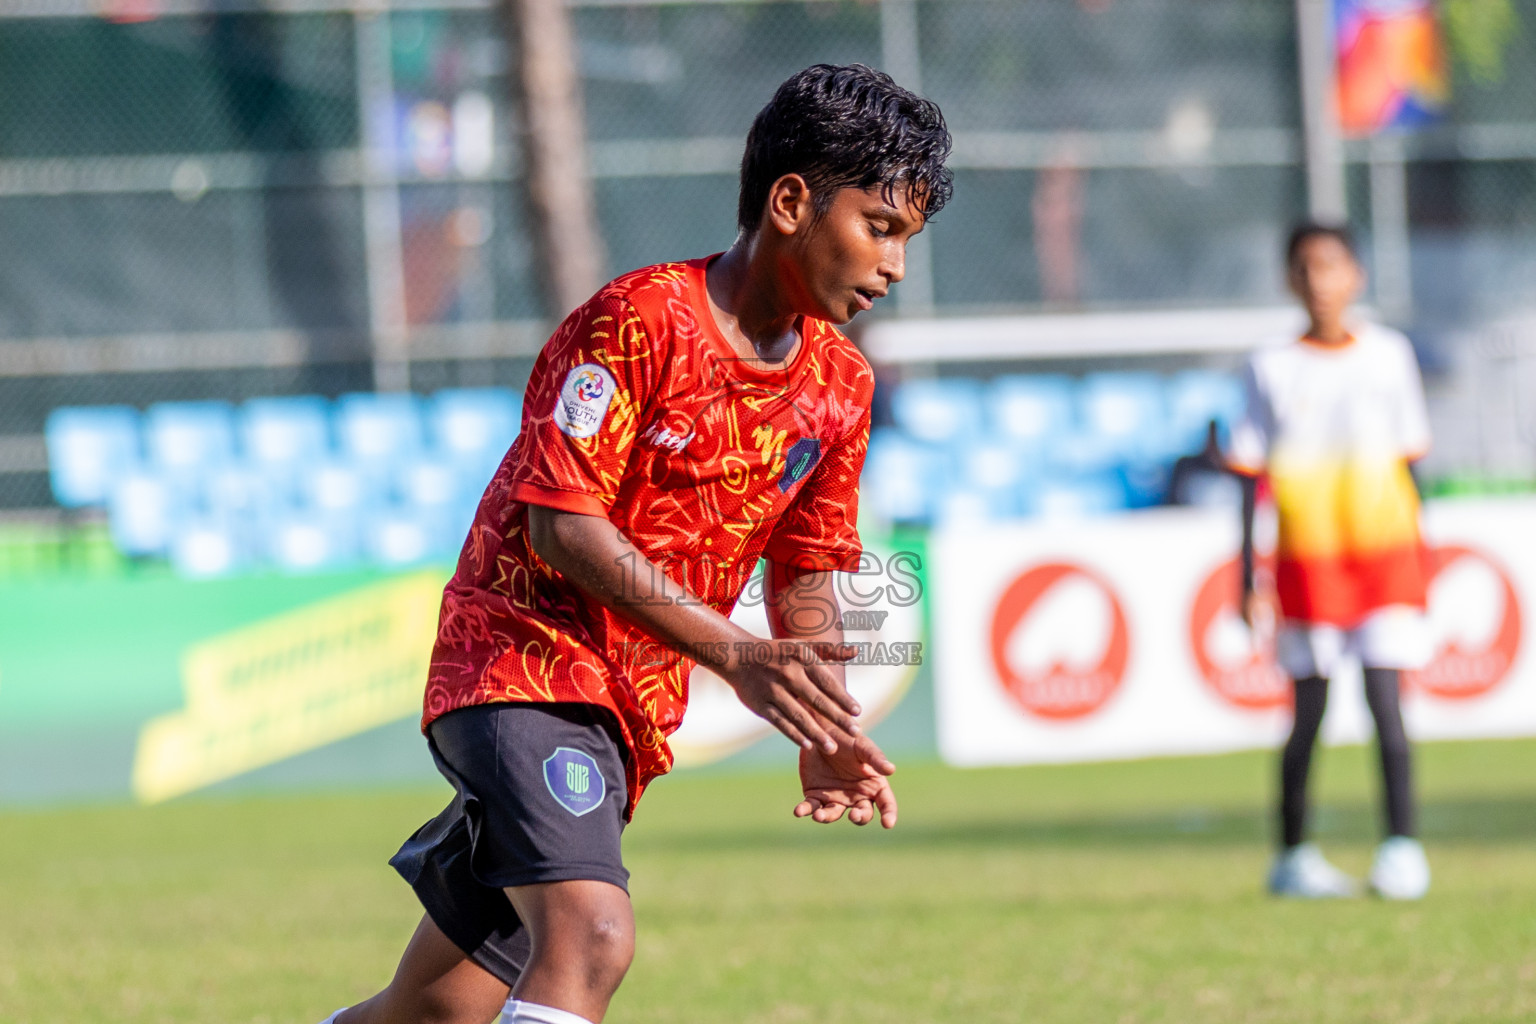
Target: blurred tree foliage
{"type": "Point", "coordinates": [1479, 31]}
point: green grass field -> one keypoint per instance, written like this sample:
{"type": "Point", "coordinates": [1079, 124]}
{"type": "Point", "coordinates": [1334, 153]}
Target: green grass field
{"type": "Point", "coordinates": [1102, 893]}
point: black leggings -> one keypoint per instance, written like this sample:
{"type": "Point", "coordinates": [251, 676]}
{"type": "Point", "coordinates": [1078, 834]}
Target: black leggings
{"type": "Point", "coordinates": [1381, 693]}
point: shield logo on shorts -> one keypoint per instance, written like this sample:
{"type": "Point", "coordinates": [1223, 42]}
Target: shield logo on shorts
{"type": "Point", "coordinates": [574, 780]}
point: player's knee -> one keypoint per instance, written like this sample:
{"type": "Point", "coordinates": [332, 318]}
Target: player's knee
{"type": "Point", "coordinates": [429, 1010]}
{"type": "Point", "coordinates": [609, 944]}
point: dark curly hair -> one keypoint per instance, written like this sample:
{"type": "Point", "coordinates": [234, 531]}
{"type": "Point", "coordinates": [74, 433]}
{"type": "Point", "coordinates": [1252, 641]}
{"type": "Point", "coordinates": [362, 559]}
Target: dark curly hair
{"type": "Point", "coordinates": [1310, 229]}
{"type": "Point", "coordinates": [845, 127]}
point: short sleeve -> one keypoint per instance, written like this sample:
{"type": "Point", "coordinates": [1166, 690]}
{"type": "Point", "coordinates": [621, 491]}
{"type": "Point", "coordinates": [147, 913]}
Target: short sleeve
{"type": "Point", "coordinates": [1412, 416]}
{"type": "Point", "coordinates": [581, 408]}
{"type": "Point", "coordinates": [1248, 452]}
{"type": "Point", "coordinates": [819, 531]}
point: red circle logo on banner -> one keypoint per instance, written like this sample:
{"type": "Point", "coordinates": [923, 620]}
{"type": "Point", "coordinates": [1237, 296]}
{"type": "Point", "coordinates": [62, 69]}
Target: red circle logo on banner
{"type": "Point", "coordinates": [1059, 690]}
{"type": "Point", "coordinates": [1247, 676]}
{"type": "Point", "coordinates": [1461, 671]}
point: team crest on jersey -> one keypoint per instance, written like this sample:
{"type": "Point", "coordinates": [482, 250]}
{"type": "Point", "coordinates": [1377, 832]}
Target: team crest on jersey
{"type": "Point", "coordinates": [584, 400]}
{"type": "Point", "coordinates": [574, 780]}
{"type": "Point", "coordinates": [799, 461]}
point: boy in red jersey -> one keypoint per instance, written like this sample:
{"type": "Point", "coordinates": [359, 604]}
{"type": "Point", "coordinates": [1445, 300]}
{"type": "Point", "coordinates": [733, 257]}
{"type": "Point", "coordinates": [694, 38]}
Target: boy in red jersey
{"type": "Point", "coordinates": [689, 420]}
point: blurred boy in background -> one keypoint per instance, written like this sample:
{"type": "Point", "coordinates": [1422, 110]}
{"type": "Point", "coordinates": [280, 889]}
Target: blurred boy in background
{"type": "Point", "coordinates": [1335, 419]}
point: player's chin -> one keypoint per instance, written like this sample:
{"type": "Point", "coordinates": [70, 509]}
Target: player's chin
{"type": "Point", "coordinates": [844, 312]}
{"type": "Point", "coordinates": [838, 307]}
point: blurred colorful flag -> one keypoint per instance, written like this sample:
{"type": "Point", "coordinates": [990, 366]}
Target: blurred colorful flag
{"type": "Point", "coordinates": [129, 12]}
{"type": "Point", "coordinates": [1392, 68]}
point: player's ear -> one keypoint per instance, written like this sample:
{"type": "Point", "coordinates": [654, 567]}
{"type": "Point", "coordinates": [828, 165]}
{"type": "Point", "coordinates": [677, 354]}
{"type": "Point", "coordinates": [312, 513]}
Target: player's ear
{"type": "Point", "coordinates": [789, 204]}
{"type": "Point", "coordinates": [1294, 281]}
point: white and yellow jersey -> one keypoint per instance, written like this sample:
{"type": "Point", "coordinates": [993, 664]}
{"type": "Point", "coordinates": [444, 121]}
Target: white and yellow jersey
{"type": "Point", "coordinates": [1334, 428]}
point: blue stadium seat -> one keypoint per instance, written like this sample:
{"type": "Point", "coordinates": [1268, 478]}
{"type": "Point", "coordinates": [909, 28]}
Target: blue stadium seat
{"type": "Point", "coordinates": [1075, 496]}
{"type": "Point", "coordinates": [206, 548]}
{"type": "Point", "coordinates": [427, 484]}
{"type": "Point", "coordinates": [937, 411]}
{"type": "Point", "coordinates": [1026, 495]}
{"type": "Point", "coordinates": [901, 477]}
{"type": "Point", "coordinates": [89, 449]}
{"type": "Point", "coordinates": [143, 514]}
{"type": "Point", "coordinates": [307, 542]}
{"type": "Point", "coordinates": [324, 528]}
{"type": "Point", "coordinates": [471, 490]}
{"type": "Point", "coordinates": [374, 430]}
{"type": "Point", "coordinates": [1195, 397]}
{"type": "Point", "coordinates": [990, 465]}
{"type": "Point", "coordinates": [964, 505]}
{"type": "Point", "coordinates": [1145, 481]}
{"type": "Point", "coordinates": [990, 482]}
{"type": "Point", "coordinates": [1080, 453]}
{"type": "Point", "coordinates": [1031, 409]}
{"type": "Point", "coordinates": [434, 493]}
{"type": "Point", "coordinates": [245, 501]}
{"type": "Point", "coordinates": [281, 435]}
{"type": "Point", "coordinates": [337, 491]}
{"type": "Point", "coordinates": [183, 438]}
{"type": "Point", "coordinates": [400, 537]}
{"type": "Point", "coordinates": [240, 491]}
{"type": "Point", "coordinates": [475, 426]}
{"type": "Point", "coordinates": [1126, 410]}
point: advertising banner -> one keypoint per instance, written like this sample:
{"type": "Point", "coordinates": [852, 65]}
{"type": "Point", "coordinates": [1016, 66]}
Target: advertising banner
{"type": "Point", "coordinates": [292, 683]}
{"type": "Point", "coordinates": [1120, 637]}
{"type": "Point", "coordinates": [881, 613]}
{"type": "Point", "coordinates": [149, 686]}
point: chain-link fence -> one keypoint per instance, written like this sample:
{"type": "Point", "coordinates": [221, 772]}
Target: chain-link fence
{"type": "Point", "coordinates": [206, 199]}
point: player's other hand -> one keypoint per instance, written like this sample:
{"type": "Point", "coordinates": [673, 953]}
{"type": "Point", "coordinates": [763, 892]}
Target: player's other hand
{"type": "Point", "coordinates": [795, 685]}
{"type": "Point", "coordinates": [852, 781]}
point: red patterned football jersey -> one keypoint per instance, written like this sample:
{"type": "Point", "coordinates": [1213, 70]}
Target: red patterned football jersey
{"type": "Point", "coordinates": [639, 410]}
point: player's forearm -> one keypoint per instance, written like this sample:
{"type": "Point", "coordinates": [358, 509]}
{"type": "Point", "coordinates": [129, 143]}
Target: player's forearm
{"type": "Point", "coordinates": [790, 691]}
{"type": "Point", "coordinates": [803, 606]}
{"type": "Point", "coordinates": [1250, 501]}
{"type": "Point", "coordinates": [599, 560]}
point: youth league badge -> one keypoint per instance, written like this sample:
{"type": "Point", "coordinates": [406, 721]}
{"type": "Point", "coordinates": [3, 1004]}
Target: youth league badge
{"type": "Point", "coordinates": [574, 780]}
{"type": "Point", "coordinates": [584, 399]}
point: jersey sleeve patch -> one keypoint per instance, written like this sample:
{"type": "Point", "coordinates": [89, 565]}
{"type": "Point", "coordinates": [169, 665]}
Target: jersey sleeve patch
{"type": "Point", "coordinates": [799, 461]}
{"type": "Point", "coordinates": [584, 400]}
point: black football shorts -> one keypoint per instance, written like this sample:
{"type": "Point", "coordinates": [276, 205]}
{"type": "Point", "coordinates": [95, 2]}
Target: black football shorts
{"type": "Point", "coordinates": [539, 796]}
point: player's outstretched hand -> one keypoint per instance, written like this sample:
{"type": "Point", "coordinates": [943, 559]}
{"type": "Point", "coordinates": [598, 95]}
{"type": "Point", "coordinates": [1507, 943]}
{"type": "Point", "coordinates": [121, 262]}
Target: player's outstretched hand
{"type": "Point", "coordinates": [852, 781]}
{"type": "Point", "coordinates": [794, 685]}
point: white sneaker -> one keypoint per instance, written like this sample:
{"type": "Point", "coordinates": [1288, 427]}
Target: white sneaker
{"type": "Point", "coordinates": [1302, 872]}
{"type": "Point", "coordinates": [1401, 871]}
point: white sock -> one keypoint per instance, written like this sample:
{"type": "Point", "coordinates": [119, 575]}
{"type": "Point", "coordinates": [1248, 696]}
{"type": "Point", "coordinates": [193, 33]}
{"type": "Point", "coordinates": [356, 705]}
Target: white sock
{"type": "Point", "coordinates": [332, 1018]}
{"type": "Point", "coordinates": [518, 1012]}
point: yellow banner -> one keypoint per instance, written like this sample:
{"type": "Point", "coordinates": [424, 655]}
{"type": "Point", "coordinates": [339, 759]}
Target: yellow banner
{"type": "Point", "coordinates": [291, 683]}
